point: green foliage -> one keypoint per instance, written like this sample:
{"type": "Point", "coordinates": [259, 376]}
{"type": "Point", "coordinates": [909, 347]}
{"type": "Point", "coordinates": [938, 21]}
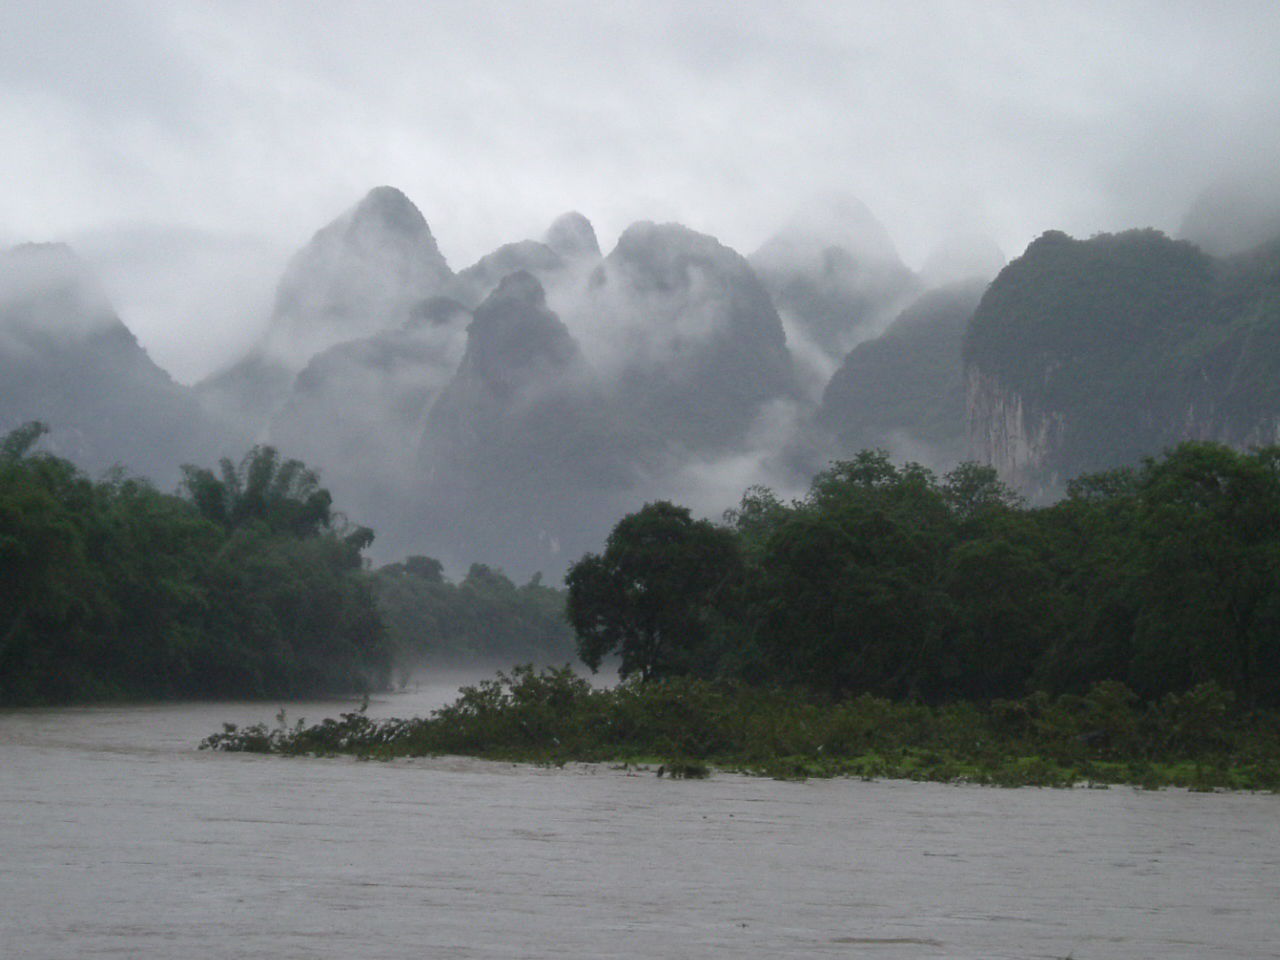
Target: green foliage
{"type": "Point", "coordinates": [1209, 530]}
{"type": "Point", "coordinates": [484, 618]}
{"type": "Point", "coordinates": [683, 726]}
{"type": "Point", "coordinates": [847, 595]}
{"type": "Point", "coordinates": [19, 441]}
{"type": "Point", "coordinates": [657, 595]}
{"type": "Point", "coordinates": [919, 627]}
{"type": "Point", "coordinates": [888, 580]}
{"type": "Point", "coordinates": [1120, 345]}
{"type": "Point", "coordinates": [113, 589]}
{"type": "Point", "coordinates": [285, 497]}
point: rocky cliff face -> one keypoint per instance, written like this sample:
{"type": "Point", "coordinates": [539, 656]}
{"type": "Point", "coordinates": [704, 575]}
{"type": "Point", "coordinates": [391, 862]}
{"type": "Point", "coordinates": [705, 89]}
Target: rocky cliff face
{"type": "Point", "coordinates": [1022, 444]}
{"type": "Point", "coordinates": [1087, 355]}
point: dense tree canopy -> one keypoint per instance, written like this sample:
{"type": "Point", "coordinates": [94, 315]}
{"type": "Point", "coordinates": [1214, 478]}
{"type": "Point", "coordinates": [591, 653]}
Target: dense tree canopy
{"type": "Point", "coordinates": [884, 579]}
{"type": "Point", "coordinates": [657, 594]}
{"type": "Point", "coordinates": [246, 586]}
{"type": "Point", "coordinates": [888, 580]}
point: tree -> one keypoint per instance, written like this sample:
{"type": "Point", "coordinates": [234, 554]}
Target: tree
{"type": "Point", "coordinates": [286, 496]}
{"type": "Point", "coordinates": [656, 596]}
{"type": "Point", "coordinates": [113, 589]}
{"type": "Point", "coordinates": [1209, 535]}
{"type": "Point", "coordinates": [974, 491]}
{"type": "Point", "coordinates": [849, 592]}
{"type": "Point", "coordinates": [424, 568]}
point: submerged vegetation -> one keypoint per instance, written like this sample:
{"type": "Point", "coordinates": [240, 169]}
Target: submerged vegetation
{"type": "Point", "coordinates": [1201, 739]}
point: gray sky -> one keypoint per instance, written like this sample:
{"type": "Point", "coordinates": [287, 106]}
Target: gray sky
{"type": "Point", "coordinates": [262, 120]}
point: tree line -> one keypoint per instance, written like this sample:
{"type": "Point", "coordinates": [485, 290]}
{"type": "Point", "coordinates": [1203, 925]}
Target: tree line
{"type": "Point", "coordinates": [484, 618]}
{"type": "Point", "coordinates": [892, 581]}
{"type": "Point", "coordinates": [245, 583]}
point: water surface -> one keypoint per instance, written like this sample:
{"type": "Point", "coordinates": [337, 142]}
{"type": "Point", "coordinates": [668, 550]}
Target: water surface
{"type": "Point", "coordinates": [119, 839]}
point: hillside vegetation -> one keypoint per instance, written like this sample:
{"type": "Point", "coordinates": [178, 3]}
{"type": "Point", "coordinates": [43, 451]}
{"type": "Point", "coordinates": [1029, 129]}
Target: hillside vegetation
{"type": "Point", "coordinates": [1132, 342]}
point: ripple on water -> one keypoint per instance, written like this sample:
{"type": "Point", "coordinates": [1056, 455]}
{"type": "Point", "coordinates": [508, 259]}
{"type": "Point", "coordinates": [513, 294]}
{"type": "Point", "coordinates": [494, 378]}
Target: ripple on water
{"type": "Point", "coordinates": [120, 839]}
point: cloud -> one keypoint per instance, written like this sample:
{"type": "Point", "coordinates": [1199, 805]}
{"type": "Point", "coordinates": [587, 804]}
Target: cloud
{"type": "Point", "coordinates": [198, 300]}
{"type": "Point", "coordinates": [945, 117]}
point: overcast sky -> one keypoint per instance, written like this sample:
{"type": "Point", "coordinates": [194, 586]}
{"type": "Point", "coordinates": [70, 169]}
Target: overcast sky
{"type": "Point", "coordinates": [255, 122]}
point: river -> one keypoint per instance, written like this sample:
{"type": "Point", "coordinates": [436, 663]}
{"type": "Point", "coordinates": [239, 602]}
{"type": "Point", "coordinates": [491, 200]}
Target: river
{"type": "Point", "coordinates": [118, 838]}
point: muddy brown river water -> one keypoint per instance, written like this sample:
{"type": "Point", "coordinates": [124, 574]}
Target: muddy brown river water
{"type": "Point", "coordinates": [119, 839]}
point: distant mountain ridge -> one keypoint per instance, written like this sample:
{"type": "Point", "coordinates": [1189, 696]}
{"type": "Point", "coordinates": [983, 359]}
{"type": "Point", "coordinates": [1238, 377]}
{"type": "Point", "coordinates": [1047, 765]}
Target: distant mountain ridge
{"type": "Point", "coordinates": [457, 411]}
{"type": "Point", "coordinates": [510, 412]}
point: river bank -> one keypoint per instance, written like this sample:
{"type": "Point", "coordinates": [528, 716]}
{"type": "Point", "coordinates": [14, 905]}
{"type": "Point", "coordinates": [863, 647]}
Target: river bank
{"type": "Point", "coordinates": [1201, 740]}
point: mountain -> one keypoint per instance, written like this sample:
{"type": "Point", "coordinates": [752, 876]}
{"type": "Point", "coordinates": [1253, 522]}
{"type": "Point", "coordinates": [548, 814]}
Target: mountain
{"type": "Point", "coordinates": [356, 410]}
{"type": "Point", "coordinates": [1234, 215]}
{"type": "Point", "coordinates": [835, 275]}
{"type": "Point", "coordinates": [904, 390]}
{"type": "Point", "coordinates": [573, 238]}
{"type": "Point", "coordinates": [520, 460]}
{"type": "Point", "coordinates": [687, 337]}
{"type": "Point", "coordinates": [67, 359]}
{"type": "Point", "coordinates": [552, 428]}
{"type": "Point", "coordinates": [480, 279]}
{"type": "Point", "coordinates": [1088, 354]}
{"type": "Point", "coordinates": [362, 274]}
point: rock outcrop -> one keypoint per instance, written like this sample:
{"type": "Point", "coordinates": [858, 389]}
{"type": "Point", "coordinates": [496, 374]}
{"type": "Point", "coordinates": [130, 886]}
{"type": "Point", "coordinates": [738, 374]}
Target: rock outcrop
{"type": "Point", "coordinates": [1088, 355]}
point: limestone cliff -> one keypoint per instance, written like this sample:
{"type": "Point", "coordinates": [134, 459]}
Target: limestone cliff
{"type": "Point", "coordinates": [1088, 355]}
{"type": "Point", "coordinates": [1020, 443]}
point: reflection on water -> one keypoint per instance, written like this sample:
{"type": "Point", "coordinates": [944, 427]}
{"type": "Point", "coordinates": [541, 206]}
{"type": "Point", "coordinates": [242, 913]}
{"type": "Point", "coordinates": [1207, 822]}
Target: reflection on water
{"type": "Point", "coordinates": [119, 839]}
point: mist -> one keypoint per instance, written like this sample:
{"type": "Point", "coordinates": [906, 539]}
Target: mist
{"type": "Point", "coordinates": [208, 165]}
{"type": "Point", "coordinates": [942, 117]}
{"type": "Point", "coordinates": [196, 300]}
